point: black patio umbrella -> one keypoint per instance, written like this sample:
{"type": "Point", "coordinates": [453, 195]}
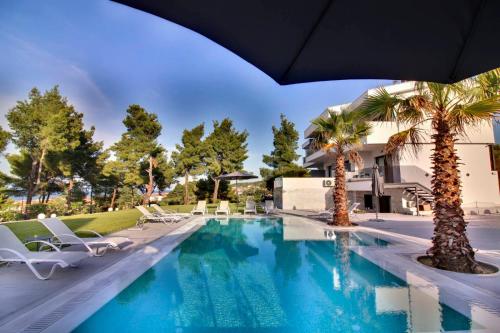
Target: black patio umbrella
{"type": "Point", "coordinates": [296, 41]}
{"type": "Point", "coordinates": [377, 189]}
{"type": "Point", "coordinates": [237, 175]}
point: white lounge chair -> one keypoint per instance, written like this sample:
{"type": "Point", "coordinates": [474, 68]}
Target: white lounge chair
{"type": "Point", "coordinates": [269, 206]}
{"type": "Point", "coordinates": [147, 216]}
{"type": "Point", "coordinates": [250, 207]}
{"type": "Point", "coordinates": [13, 250]}
{"type": "Point", "coordinates": [328, 213]}
{"type": "Point", "coordinates": [65, 236]}
{"type": "Point", "coordinates": [352, 208]}
{"type": "Point", "coordinates": [201, 208]}
{"type": "Point", "coordinates": [223, 208]}
{"type": "Point", "coordinates": [167, 212]}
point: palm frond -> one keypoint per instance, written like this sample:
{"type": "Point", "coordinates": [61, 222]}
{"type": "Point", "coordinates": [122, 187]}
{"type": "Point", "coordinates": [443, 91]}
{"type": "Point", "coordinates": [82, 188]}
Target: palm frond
{"type": "Point", "coordinates": [339, 130]}
{"type": "Point", "coordinates": [357, 132]}
{"type": "Point", "coordinates": [439, 93]}
{"type": "Point", "coordinates": [356, 158]}
{"type": "Point", "coordinates": [489, 83]}
{"type": "Point", "coordinates": [407, 139]}
{"type": "Point", "coordinates": [472, 114]}
{"type": "Point", "coordinates": [413, 109]}
{"type": "Point", "coordinates": [379, 107]}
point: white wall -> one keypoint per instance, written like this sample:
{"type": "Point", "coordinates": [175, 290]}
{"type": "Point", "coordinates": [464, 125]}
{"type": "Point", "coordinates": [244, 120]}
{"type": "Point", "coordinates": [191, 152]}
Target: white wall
{"type": "Point", "coordinates": [304, 193]}
{"type": "Point", "coordinates": [480, 186]}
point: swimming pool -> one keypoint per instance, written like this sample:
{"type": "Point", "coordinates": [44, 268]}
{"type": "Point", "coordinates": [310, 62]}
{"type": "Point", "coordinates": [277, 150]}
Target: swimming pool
{"type": "Point", "coordinates": [240, 275]}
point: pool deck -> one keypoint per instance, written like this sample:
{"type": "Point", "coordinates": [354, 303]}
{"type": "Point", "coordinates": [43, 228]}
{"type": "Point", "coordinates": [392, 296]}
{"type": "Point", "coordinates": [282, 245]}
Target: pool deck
{"type": "Point", "coordinates": [476, 296]}
{"type": "Point", "coordinates": [483, 230]}
{"type": "Point", "coordinates": [21, 292]}
{"type": "Point", "coordinates": [59, 304]}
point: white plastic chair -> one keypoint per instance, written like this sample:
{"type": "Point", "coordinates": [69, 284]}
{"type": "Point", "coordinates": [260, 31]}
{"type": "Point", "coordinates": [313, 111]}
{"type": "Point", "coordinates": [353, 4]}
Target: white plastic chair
{"type": "Point", "coordinates": [147, 216]}
{"type": "Point", "coordinates": [269, 206]}
{"type": "Point", "coordinates": [250, 207]}
{"type": "Point", "coordinates": [201, 208]}
{"type": "Point", "coordinates": [65, 236]}
{"type": "Point", "coordinates": [223, 208]}
{"type": "Point", "coordinates": [168, 213]}
{"type": "Point", "coordinates": [13, 250]}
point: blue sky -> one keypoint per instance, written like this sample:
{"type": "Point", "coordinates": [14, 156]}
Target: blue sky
{"type": "Point", "coordinates": [105, 56]}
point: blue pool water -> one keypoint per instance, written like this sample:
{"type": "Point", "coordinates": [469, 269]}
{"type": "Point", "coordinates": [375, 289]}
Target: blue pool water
{"type": "Point", "coordinates": [242, 276]}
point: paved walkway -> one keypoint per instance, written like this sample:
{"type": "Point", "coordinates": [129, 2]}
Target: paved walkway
{"type": "Point", "coordinates": [21, 291]}
{"type": "Point", "coordinates": [483, 230]}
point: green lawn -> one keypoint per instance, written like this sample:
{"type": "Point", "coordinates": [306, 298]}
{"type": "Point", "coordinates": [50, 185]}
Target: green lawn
{"type": "Point", "coordinates": [211, 208]}
{"type": "Point", "coordinates": [103, 223]}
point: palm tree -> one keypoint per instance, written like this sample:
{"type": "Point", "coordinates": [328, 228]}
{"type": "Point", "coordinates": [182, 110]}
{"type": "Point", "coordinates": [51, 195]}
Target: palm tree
{"type": "Point", "coordinates": [339, 134]}
{"type": "Point", "coordinates": [449, 109]}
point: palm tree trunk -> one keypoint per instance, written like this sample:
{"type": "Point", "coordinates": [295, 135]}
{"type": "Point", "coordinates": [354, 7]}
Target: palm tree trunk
{"type": "Point", "coordinates": [186, 188]}
{"type": "Point", "coordinates": [216, 189]}
{"type": "Point", "coordinates": [340, 214]}
{"type": "Point", "coordinates": [450, 246]}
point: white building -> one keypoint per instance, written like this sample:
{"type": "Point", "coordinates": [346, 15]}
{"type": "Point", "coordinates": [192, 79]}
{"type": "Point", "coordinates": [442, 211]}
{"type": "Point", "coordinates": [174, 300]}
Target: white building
{"type": "Point", "coordinates": [407, 177]}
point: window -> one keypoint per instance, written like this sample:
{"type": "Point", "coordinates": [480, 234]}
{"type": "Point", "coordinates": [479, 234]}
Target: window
{"type": "Point", "coordinates": [492, 157]}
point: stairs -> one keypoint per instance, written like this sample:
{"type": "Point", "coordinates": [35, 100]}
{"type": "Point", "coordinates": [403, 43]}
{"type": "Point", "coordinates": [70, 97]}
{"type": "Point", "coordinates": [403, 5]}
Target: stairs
{"type": "Point", "coordinates": [421, 194]}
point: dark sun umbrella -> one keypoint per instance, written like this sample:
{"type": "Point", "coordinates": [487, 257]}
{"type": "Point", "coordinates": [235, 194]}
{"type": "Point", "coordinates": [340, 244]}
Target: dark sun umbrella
{"type": "Point", "coordinates": [296, 41]}
{"type": "Point", "coordinates": [237, 175]}
{"type": "Point", "coordinates": [377, 189]}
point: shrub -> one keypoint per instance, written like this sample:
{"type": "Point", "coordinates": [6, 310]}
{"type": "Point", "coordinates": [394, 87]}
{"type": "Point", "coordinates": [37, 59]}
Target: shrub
{"type": "Point", "coordinates": [56, 206]}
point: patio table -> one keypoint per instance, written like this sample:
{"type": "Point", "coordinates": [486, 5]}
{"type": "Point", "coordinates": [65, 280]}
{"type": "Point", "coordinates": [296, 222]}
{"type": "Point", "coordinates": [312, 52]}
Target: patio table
{"type": "Point", "coordinates": [45, 238]}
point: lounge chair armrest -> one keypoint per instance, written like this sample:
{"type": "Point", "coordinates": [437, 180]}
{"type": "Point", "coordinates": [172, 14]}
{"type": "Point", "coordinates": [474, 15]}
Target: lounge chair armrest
{"type": "Point", "coordinates": [90, 232]}
{"type": "Point", "coordinates": [17, 254]}
{"type": "Point", "coordinates": [78, 240]}
{"type": "Point", "coordinates": [44, 243]}
{"type": "Point", "coordinates": [57, 237]}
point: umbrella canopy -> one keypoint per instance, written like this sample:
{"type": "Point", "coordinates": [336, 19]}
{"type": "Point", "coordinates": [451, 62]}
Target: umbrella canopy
{"type": "Point", "coordinates": [237, 175]}
{"type": "Point", "coordinates": [377, 182]}
{"type": "Point", "coordinates": [296, 41]}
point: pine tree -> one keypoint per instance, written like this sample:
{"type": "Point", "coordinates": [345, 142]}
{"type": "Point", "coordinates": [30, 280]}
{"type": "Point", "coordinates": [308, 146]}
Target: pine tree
{"type": "Point", "coordinates": [81, 161]}
{"type": "Point", "coordinates": [113, 177]}
{"type": "Point", "coordinates": [41, 124]}
{"type": "Point", "coordinates": [283, 158]}
{"type": "Point", "coordinates": [226, 151]}
{"type": "Point", "coordinates": [285, 144]}
{"type": "Point", "coordinates": [188, 158]}
{"type": "Point", "coordinates": [139, 145]}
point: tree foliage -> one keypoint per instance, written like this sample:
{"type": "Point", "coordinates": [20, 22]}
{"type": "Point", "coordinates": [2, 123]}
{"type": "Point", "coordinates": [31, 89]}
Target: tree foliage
{"type": "Point", "coordinates": [139, 149]}
{"type": "Point", "coordinates": [189, 156]}
{"type": "Point", "coordinates": [226, 150]}
{"type": "Point", "coordinates": [285, 144]}
{"type": "Point", "coordinates": [339, 134]}
{"type": "Point", "coordinates": [42, 124]}
{"type": "Point", "coordinates": [449, 110]}
{"type": "Point", "coordinates": [283, 157]}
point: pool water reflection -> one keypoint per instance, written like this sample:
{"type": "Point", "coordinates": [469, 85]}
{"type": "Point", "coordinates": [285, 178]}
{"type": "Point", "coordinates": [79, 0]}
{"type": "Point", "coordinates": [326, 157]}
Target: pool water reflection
{"type": "Point", "coordinates": [244, 276]}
